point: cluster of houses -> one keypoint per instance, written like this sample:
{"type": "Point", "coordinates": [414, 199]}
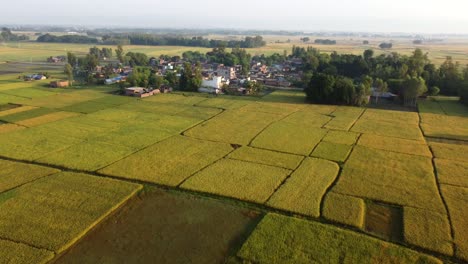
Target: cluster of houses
{"type": "Point", "coordinates": [217, 78]}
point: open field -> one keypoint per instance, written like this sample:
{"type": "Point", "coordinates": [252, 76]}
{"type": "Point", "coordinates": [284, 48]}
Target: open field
{"type": "Point", "coordinates": [387, 186]}
{"type": "Point", "coordinates": [438, 51]}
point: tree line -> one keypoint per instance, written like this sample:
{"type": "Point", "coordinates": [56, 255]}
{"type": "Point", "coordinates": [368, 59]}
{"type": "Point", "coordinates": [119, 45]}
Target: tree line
{"type": "Point", "coordinates": [156, 40]}
{"type": "Point", "coordinates": [7, 35]}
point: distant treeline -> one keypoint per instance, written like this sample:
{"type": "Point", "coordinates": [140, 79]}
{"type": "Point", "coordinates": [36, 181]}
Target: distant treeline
{"type": "Point", "coordinates": [157, 40]}
{"type": "Point", "coordinates": [67, 39]}
{"type": "Point", "coordinates": [6, 35]}
{"type": "Point", "coordinates": [325, 41]}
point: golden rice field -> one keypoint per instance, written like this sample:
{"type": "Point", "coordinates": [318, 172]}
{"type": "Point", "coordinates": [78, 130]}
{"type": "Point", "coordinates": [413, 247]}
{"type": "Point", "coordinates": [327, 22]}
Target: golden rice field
{"type": "Point", "coordinates": [333, 184]}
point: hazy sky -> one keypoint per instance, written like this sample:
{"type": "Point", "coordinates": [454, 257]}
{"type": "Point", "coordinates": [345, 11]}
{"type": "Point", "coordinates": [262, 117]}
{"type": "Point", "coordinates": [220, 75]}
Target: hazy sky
{"type": "Point", "coordinates": [428, 16]}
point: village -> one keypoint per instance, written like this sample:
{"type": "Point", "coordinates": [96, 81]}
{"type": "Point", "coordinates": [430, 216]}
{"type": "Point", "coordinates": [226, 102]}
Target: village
{"type": "Point", "coordinates": [216, 78]}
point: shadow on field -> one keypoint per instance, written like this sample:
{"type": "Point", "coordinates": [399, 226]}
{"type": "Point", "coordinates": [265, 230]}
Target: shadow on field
{"type": "Point", "coordinates": [166, 227]}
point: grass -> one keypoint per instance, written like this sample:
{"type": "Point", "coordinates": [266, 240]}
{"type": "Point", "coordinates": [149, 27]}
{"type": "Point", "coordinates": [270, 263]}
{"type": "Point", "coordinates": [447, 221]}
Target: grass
{"type": "Point", "coordinates": [302, 193]}
{"type": "Point", "coordinates": [266, 157]}
{"type": "Point", "coordinates": [332, 151]}
{"type": "Point", "coordinates": [452, 172]}
{"type": "Point", "coordinates": [344, 209]}
{"type": "Point", "coordinates": [14, 174]}
{"type": "Point", "coordinates": [281, 239]}
{"type": "Point", "coordinates": [12, 252]}
{"type": "Point", "coordinates": [341, 137]}
{"type": "Point", "coordinates": [428, 230]}
{"type": "Point", "coordinates": [57, 210]}
{"type": "Point", "coordinates": [449, 151]}
{"type": "Point", "coordinates": [237, 127]}
{"type": "Point", "coordinates": [238, 179]}
{"type": "Point", "coordinates": [47, 118]}
{"type": "Point", "coordinates": [294, 97]}
{"type": "Point", "coordinates": [394, 178]}
{"type": "Point", "coordinates": [457, 204]}
{"type": "Point", "coordinates": [88, 156]}
{"type": "Point", "coordinates": [395, 144]}
{"type": "Point", "coordinates": [162, 162]}
{"type": "Point", "coordinates": [289, 137]}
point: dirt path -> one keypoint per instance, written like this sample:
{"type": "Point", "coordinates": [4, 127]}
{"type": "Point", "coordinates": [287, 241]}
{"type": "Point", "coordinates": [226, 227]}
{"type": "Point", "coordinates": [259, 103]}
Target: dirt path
{"type": "Point", "coordinates": [166, 227]}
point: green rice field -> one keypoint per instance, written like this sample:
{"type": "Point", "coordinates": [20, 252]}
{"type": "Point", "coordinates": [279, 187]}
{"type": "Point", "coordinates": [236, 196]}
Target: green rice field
{"type": "Point", "coordinates": [330, 184]}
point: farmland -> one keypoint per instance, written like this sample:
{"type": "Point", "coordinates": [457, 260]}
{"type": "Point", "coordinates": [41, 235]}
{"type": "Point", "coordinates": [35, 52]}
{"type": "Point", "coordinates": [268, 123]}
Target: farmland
{"type": "Point", "coordinates": [438, 51]}
{"type": "Point", "coordinates": [321, 183]}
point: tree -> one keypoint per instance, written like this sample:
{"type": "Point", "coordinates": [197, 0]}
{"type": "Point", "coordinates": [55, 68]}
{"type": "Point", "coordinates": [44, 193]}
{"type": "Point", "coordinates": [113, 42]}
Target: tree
{"type": "Point", "coordinates": [191, 78]}
{"type": "Point", "coordinates": [413, 87]}
{"type": "Point", "coordinates": [380, 87]}
{"type": "Point", "coordinates": [68, 70]}
{"type": "Point", "coordinates": [385, 45]}
{"type": "Point", "coordinates": [72, 59]}
{"type": "Point", "coordinates": [320, 88]}
{"type": "Point", "coordinates": [368, 54]}
{"type": "Point", "coordinates": [305, 39]}
{"type": "Point", "coordinates": [344, 91]}
{"type": "Point", "coordinates": [171, 79]}
{"type": "Point", "coordinates": [365, 42]}
{"type": "Point", "coordinates": [120, 53]}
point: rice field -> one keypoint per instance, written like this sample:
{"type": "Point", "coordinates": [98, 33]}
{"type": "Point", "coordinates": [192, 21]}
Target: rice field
{"type": "Point", "coordinates": [343, 166]}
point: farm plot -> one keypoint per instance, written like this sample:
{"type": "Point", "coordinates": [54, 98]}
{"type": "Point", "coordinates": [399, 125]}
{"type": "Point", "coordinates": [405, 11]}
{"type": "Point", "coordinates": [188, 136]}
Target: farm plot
{"type": "Point", "coordinates": [341, 137]}
{"type": "Point", "coordinates": [296, 97]}
{"type": "Point", "coordinates": [281, 109]}
{"type": "Point", "coordinates": [57, 210]}
{"type": "Point", "coordinates": [390, 177]}
{"type": "Point", "coordinates": [47, 118]}
{"type": "Point", "coordinates": [443, 126]}
{"type": "Point", "coordinates": [344, 117]}
{"type": "Point", "coordinates": [393, 124]}
{"type": "Point", "coordinates": [302, 193]}
{"type": "Point", "coordinates": [15, 110]}
{"type": "Point", "coordinates": [5, 128]}
{"type": "Point", "coordinates": [290, 137]}
{"type": "Point", "coordinates": [452, 172]}
{"type": "Point", "coordinates": [238, 179]}
{"type": "Point", "coordinates": [457, 201]}
{"type": "Point", "coordinates": [449, 151]}
{"type": "Point", "coordinates": [23, 115]}
{"type": "Point", "coordinates": [238, 127]}
{"type": "Point", "coordinates": [89, 156]}
{"type": "Point", "coordinates": [395, 145]}
{"type": "Point", "coordinates": [332, 151]}
{"type": "Point", "coordinates": [33, 143]}
{"type": "Point", "coordinates": [399, 179]}
{"type": "Point", "coordinates": [6, 98]}
{"type": "Point", "coordinates": [443, 117]}
{"type": "Point", "coordinates": [14, 174]}
{"type": "Point", "coordinates": [225, 102]}
{"type": "Point", "coordinates": [267, 157]}
{"type": "Point", "coordinates": [169, 162]}
{"type": "Point", "coordinates": [281, 239]}
{"type": "Point", "coordinates": [12, 252]}
{"type": "Point", "coordinates": [29, 92]}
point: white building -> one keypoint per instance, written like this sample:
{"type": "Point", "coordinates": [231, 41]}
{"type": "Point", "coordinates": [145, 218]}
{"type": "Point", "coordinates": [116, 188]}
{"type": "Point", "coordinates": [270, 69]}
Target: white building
{"type": "Point", "coordinates": [212, 85]}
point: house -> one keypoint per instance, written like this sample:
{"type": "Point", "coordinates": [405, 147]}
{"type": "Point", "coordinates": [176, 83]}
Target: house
{"type": "Point", "coordinates": [227, 73]}
{"type": "Point", "coordinates": [59, 84]}
{"type": "Point", "coordinates": [212, 85]}
{"type": "Point", "coordinates": [138, 92]}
